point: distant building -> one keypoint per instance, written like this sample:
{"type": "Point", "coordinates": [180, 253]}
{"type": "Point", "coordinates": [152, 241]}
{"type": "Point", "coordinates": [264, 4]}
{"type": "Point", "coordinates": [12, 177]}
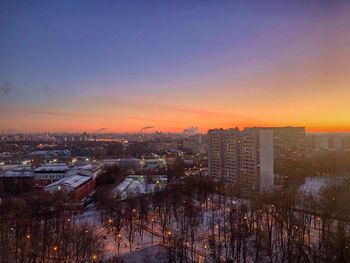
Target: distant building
{"type": "Point", "coordinates": [14, 167]}
{"type": "Point", "coordinates": [190, 131]}
{"type": "Point", "coordinates": [329, 141]}
{"type": "Point", "coordinates": [51, 153]}
{"type": "Point", "coordinates": [84, 137]}
{"type": "Point", "coordinates": [162, 146]}
{"type": "Point", "coordinates": [195, 144]}
{"type": "Point", "coordinates": [320, 144]}
{"type": "Point", "coordinates": [125, 163]}
{"type": "Point", "coordinates": [154, 163]}
{"type": "Point", "coordinates": [18, 173]}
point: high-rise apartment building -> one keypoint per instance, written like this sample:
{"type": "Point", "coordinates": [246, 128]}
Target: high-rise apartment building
{"type": "Point", "coordinates": [247, 157]}
{"type": "Point", "coordinates": [256, 159]}
{"type": "Point", "coordinates": [231, 158]}
{"type": "Point", "coordinates": [223, 153]}
{"type": "Point", "coordinates": [215, 153]}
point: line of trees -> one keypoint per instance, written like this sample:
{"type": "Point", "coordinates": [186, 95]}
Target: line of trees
{"type": "Point", "coordinates": [35, 229]}
{"type": "Point", "coordinates": [196, 223]}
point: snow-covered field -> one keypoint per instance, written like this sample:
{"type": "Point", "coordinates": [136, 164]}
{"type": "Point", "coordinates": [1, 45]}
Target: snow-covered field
{"type": "Point", "coordinates": [209, 224]}
{"type": "Point", "coordinates": [115, 246]}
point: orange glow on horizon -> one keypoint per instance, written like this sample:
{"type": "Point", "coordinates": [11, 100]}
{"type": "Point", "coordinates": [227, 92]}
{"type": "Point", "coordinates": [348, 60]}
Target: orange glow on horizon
{"type": "Point", "coordinates": [289, 73]}
{"type": "Point", "coordinates": [177, 118]}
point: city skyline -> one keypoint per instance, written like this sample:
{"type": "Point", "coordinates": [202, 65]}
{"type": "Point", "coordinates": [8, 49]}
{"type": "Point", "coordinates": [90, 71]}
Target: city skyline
{"type": "Point", "coordinates": [82, 66]}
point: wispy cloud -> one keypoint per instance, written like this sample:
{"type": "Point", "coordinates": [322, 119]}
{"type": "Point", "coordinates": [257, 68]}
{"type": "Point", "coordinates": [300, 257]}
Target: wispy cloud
{"type": "Point", "coordinates": [151, 120]}
{"type": "Point", "coordinates": [6, 88]}
{"type": "Point", "coordinates": [159, 107]}
{"type": "Point", "coordinates": [196, 111]}
{"type": "Point", "coordinates": [38, 111]}
{"type": "Point", "coordinates": [45, 89]}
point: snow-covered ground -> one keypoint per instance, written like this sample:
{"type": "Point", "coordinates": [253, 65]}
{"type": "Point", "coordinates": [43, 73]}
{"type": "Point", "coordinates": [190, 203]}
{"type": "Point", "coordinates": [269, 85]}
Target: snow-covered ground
{"type": "Point", "coordinates": [149, 254]}
{"type": "Point", "coordinates": [135, 185]}
{"type": "Point", "coordinates": [153, 236]}
{"type": "Point", "coordinates": [115, 246]}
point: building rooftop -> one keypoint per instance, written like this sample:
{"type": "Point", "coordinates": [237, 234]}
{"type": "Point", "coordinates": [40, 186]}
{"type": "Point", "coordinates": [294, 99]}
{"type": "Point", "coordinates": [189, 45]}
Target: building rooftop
{"type": "Point", "coordinates": [76, 181]}
{"type": "Point", "coordinates": [17, 173]}
{"type": "Point", "coordinates": [73, 181]}
{"type": "Point", "coordinates": [57, 167]}
{"type": "Point", "coordinates": [91, 166]}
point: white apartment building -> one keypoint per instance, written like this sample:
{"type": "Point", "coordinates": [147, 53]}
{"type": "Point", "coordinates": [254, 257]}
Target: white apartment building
{"type": "Point", "coordinates": [256, 159]}
{"type": "Point", "coordinates": [245, 157]}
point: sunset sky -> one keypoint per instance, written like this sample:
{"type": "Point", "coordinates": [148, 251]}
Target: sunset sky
{"type": "Point", "coordinates": [83, 65]}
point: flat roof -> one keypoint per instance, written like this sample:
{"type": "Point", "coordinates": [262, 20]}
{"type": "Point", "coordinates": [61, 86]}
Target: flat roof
{"type": "Point", "coordinates": [76, 181]}
{"type": "Point", "coordinates": [90, 166]}
{"type": "Point", "coordinates": [73, 181]}
{"type": "Point", "coordinates": [13, 173]}
{"type": "Point", "coordinates": [52, 167]}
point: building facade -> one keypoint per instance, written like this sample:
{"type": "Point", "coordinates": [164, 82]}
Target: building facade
{"type": "Point", "coordinates": [242, 157]}
{"type": "Point", "coordinates": [223, 154]}
{"type": "Point", "coordinates": [49, 173]}
{"type": "Point", "coordinates": [256, 159]}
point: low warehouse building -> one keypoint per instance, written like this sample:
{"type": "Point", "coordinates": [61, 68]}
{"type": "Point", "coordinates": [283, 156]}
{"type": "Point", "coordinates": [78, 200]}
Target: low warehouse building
{"type": "Point", "coordinates": [77, 187]}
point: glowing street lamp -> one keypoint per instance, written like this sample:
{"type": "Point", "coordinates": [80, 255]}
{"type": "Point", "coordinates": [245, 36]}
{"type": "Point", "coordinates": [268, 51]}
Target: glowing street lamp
{"type": "Point", "coordinates": [205, 253]}
{"type": "Point", "coordinates": [169, 235]}
{"type": "Point", "coordinates": [119, 239]}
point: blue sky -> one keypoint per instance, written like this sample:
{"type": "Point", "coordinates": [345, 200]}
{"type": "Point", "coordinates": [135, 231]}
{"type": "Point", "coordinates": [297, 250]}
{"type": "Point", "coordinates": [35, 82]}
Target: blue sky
{"type": "Point", "coordinates": [110, 57]}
